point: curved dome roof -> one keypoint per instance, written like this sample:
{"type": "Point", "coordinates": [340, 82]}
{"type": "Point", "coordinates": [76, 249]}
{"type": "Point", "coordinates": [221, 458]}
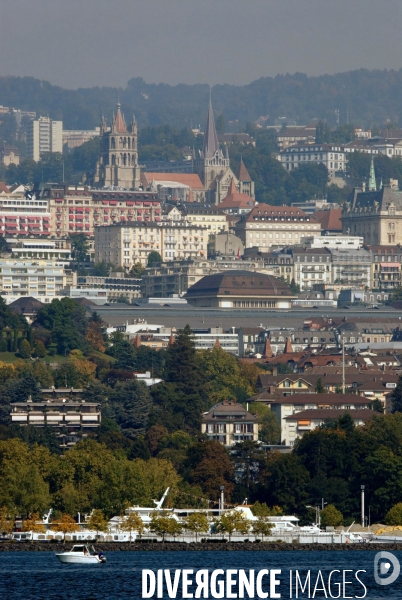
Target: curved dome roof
{"type": "Point", "coordinates": [235, 282]}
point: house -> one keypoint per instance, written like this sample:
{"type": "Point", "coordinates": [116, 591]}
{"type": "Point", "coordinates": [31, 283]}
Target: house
{"type": "Point", "coordinates": [289, 406]}
{"type": "Point", "coordinates": [307, 420]}
{"type": "Point", "coordinates": [228, 423]}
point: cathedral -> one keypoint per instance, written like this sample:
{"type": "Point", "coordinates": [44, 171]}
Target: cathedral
{"type": "Point", "coordinates": [118, 162]}
{"type": "Point", "coordinates": [213, 167]}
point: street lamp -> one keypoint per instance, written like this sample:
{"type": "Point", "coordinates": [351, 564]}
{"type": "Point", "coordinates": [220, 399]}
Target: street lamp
{"type": "Point", "coordinates": [362, 487]}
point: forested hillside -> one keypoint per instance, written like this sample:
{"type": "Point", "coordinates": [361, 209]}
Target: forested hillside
{"type": "Point", "coordinates": [364, 97]}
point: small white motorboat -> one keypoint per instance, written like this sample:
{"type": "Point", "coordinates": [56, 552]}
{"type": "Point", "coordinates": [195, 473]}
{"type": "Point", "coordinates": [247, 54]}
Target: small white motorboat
{"type": "Point", "coordinates": [82, 555]}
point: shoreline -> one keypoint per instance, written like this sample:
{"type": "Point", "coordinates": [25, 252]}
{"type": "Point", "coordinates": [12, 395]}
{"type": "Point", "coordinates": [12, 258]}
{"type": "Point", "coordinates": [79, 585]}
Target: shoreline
{"type": "Point", "coordinates": [195, 547]}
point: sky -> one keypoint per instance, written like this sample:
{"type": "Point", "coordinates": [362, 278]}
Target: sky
{"type": "Point", "coordinates": [85, 43]}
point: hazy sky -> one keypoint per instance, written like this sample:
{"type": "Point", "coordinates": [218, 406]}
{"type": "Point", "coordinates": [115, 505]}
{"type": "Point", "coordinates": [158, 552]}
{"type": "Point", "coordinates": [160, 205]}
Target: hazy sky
{"type": "Point", "coordinates": [81, 43]}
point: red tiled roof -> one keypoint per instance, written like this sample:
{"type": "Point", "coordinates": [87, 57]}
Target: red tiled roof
{"type": "Point", "coordinates": [329, 219]}
{"type": "Point", "coordinates": [267, 211]}
{"type": "Point", "coordinates": [4, 188]}
{"type": "Point", "coordinates": [361, 414]}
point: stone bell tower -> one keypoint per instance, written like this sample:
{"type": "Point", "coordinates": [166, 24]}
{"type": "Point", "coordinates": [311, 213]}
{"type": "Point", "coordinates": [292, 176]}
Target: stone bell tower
{"type": "Point", "coordinates": [118, 162]}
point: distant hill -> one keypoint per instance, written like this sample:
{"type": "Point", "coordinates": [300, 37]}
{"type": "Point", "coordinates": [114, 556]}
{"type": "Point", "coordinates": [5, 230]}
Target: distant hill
{"type": "Point", "coordinates": [364, 97]}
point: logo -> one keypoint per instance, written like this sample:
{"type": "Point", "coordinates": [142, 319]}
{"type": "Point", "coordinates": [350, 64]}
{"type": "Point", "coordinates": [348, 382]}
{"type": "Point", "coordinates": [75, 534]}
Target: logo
{"type": "Point", "coordinates": [382, 568]}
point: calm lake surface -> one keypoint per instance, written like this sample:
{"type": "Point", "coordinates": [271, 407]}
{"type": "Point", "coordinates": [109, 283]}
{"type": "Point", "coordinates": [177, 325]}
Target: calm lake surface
{"type": "Point", "coordinates": [39, 575]}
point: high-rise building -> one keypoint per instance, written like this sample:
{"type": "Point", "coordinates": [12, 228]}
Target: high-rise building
{"type": "Point", "coordinates": [118, 162]}
{"type": "Point", "coordinates": [44, 135]}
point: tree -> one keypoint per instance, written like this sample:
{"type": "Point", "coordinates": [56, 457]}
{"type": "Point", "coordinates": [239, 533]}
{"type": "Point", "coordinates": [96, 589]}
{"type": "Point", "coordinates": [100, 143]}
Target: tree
{"type": "Point", "coordinates": [263, 510]}
{"type": "Point", "coordinates": [132, 522]}
{"type": "Point", "coordinates": [34, 524]}
{"type": "Point", "coordinates": [101, 269]}
{"type": "Point", "coordinates": [95, 336]}
{"type": "Point", "coordinates": [262, 527]}
{"type": "Point", "coordinates": [164, 525]}
{"type": "Point", "coordinates": [210, 467]}
{"type": "Point", "coordinates": [331, 517]}
{"type": "Point", "coordinates": [39, 349]}
{"type": "Point", "coordinates": [65, 524]}
{"type": "Point", "coordinates": [80, 246]}
{"type": "Point", "coordinates": [232, 521]}
{"type": "Point", "coordinates": [125, 355]}
{"type": "Point", "coordinates": [269, 430]}
{"type": "Point", "coordinates": [224, 376]}
{"type": "Point", "coordinates": [130, 405]}
{"type": "Point", "coordinates": [396, 397]}
{"type": "Point", "coordinates": [25, 349]}
{"type": "Point", "coordinates": [220, 124]}
{"type": "Point", "coordinates": [154, 258]}
{"type": "Point", "coordinates": [7, 520]}
{"type": "Point", "coordinates": [137, 270]}
{"type": "Point", "coordinates": [42, 374]}
{"type": "Point", "coordinates": [197, 522]}
{"type": "Point", "coordinates": [97, 521]}
{"type": "Point", "coordinates": [319, 388]}
{"type": "Point", "coordinates": [394, 515]}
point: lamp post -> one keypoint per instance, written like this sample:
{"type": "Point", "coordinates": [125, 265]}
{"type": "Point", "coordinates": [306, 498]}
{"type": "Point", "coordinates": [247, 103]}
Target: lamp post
{"type": "Point", "coordinates": [222, 501]}
{"type": "Point", "coordinates": [362, 503]}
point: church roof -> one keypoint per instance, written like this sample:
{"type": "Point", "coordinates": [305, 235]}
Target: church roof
{"type": "Point", "coordinates": [191, 179]}
{"type": "Point", "coordinates": [236, 200]}
{"type": "Point", "coordinates": [119, 125]}
{"type": "Point", "coordinates": [211, 144]}
{"type": "Point", "coordinates": [242, 173]}
{"type": "Point", "coordinates": [381, 198]}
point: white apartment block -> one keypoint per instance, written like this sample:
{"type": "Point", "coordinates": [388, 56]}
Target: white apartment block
{"type": "Point", "coordinates": [24, 216]}
{"type": "Point", "coordinates": [124, 244]}
{"type": "Point", "coordinates": [333, 241]}
{"type": "Point", "coordinates": [40, 279]}
{"type": "Point", "coordinates": [332, 156]}
{"type": "Point", "coordinates": [44, 135]}
{"type": "Point", "coordinates": [59, 250]}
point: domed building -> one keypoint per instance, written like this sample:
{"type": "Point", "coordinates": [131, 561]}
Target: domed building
{"type": "Point", "coordinates": [240, 289]}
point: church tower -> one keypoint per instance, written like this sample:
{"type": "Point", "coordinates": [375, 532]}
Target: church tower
{"type": "Point", "coordinates": [118, 162]}
{"type": "Point", "coordinates": [211, 162]}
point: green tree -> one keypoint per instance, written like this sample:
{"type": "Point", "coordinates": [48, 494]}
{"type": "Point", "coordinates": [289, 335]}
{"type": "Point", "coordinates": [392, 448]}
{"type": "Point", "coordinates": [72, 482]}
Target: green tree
{"type": "Point", "coordinates": [137, 270]}
{"type": "Point", "coordinates": [262, 526]}
{"type": "Point", "coordinates": [224, 376]}
{"type": "Point", "coordinates": [197, 523]}
{"type": "Point", "coordinates": [101, 269]}
{"type": "Point", "coordinates": [220, 124]}
{"type": "Point", "coordinates": [130, 405]}
{"type": "Point", "coordinates": [25, 349]}
{"type": "Point", "coordinates": [269, 430]}
{"type": "Point", "coordinates": [319, 388]}
{"type": "Point", "coordinates": [39, 349]}
{"type": "Point", "coordinates": [323, 134]}
{"type": "Point", "coordinates": [80, 246]}
{"type": "Point", "coordinates": [232, 521]}
{"type": "Point", "coordinates": [394, 515]}
{"type": "Point", "coordinates": [154, 258]}
{"type": "Point", "coordinates": [263, 510]}
{"type": "Point", "coordinates": [7, 520]}
{"type": "Point", "coordinates": [97, 521]}
{"type": "Point", "coordinates": [396, 397]}
{"type": "Point", "coordinates": [164, 525]}
{"type": "Point", "coordinates": [331, 516]}
{"type": "Point", "coordinates": [125, 355]}
{"type": "Point", "coordinates": [132, 522]}
{"type": "Point", "coordinates": [65, 524]}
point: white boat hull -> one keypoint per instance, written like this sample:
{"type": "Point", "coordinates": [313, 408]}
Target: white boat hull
{"type": "Point", "coordinates": [84, 560]}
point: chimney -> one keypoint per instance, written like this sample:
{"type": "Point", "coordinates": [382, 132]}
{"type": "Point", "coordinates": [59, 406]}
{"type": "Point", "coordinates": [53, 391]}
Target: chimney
{"type": "Point", "coordinates": [275, 371]}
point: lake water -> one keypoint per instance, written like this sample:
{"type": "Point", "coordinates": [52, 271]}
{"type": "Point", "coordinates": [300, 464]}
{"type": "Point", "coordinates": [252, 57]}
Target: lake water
{"type": "Point", "coordinates": [39, 575]}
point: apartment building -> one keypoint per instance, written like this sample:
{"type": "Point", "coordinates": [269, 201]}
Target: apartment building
{"type": "Point", "coordinates": [24, 216]}
{"type": "Point", "coordinates": [115, 287]}
{"type": "Point", "coordinates": [124, 244]}
{"type": "Point", "coordinates": [44, 135]}
{"type": "Point", "coordinates": [265, 226]}
{"type": "Point", "coordinates": [330, 155]}
{"type": "Point", "coordinates": [352, 267]}
{"type": "Point", "coordinates": [59, 250]}
{"type": "Point", "coordinates": [311, 266]}
{"type": "Point", "coordinates": [386, 267]}
{"type": "Point", "coordinates": [40, 279]}
{"type": "Point", "coordinates": [72, 420]}
{"type": "Point", "coordinates": [78, 209]}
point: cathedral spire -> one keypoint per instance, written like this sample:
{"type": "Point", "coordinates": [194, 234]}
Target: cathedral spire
{"type": "Point", "coordinates": [119, 124]}
{"type": "Point", "coordinates": [211, 144]}
{"type": "Point", "coordinates": [372, 186]}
